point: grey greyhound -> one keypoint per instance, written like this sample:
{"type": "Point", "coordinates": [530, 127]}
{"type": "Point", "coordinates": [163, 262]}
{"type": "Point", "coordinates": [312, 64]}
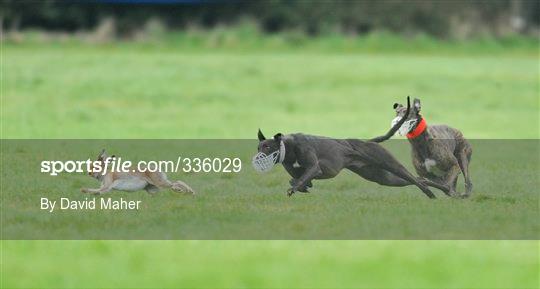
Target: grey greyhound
{"type": "Point", "coordinates": [439, 152]}
{"type": "Point", "coordinates": [308, 157]}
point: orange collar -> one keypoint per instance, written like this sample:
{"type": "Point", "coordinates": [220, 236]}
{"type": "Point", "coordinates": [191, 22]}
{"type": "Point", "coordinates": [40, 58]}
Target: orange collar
{"type": "Point", "coordinates": [420, 128]}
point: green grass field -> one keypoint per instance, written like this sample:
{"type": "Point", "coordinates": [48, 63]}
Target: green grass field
{"type": "Point", "coordinates": [133, 91]}
{"type": "Point", "coordinates": [272, 264]}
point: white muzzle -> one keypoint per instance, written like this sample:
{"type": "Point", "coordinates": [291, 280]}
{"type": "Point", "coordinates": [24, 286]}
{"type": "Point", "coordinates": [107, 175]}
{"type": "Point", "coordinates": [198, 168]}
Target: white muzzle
{"type": "Point", "coordinates": [407, 126]}
{"type": "Point", "coordinates": [264, 163]}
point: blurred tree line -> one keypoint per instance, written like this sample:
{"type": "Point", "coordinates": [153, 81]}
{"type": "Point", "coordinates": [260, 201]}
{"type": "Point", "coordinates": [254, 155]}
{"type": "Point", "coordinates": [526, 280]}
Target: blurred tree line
{"type": "Point", "coordinates": [441, 19]}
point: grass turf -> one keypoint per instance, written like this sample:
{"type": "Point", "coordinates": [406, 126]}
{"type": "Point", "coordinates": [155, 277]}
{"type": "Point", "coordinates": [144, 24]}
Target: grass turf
{"type": "Point", "coordinates": [129, 92]}
{"type": "Point", "coordinates": [272, 264]}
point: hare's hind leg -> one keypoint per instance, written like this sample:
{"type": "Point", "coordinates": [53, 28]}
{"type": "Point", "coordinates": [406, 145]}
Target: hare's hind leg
{"type": "Point", "coordinates": [151, 189]}
{"type": "Point", "coordinates": [160, 180]}
{"type": "Point", "coordinates": [179, 186]}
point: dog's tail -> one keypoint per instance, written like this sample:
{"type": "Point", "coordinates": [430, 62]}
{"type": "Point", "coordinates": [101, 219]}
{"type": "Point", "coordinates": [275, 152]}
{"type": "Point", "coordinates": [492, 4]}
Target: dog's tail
{"type": "Point", "coordinates": [395, 128]}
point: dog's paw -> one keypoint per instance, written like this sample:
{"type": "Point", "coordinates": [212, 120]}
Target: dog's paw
{"type": "Point", "coordinates": [464, 196]}
{"type": "Point", "coordinates": [84, 190]}
{"type": "Point", "coordinates": [294, 183]}
{"type": "Point", "coordinates": [453, 194]}
{"type": "Point", "coordinates": [290, 192]}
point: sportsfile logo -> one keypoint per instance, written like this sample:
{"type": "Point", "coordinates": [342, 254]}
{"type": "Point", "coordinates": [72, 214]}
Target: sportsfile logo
{"type": "Point", "coordinates": [187, 165]}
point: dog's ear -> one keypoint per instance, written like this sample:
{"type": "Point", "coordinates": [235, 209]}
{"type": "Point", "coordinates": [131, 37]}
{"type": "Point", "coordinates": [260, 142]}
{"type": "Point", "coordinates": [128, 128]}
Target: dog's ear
{"type": "Point", "coordinates": [398, 105]}
{"type": "Point", "coordinates": [278, 137]}
{"type": "Point", "coordinates": [416, 104]}
{"type": "Point", "coordinates": [260, 135]}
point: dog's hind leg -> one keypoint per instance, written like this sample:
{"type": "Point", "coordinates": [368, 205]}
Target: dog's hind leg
{"type": "Point", "coordinates": [445, 188]}
{"type": "Point", "coordinates": [404, 174]}
{"type": "Point", "coordinates": [379, 157]}
{"type": "Point", "coordinates": [464, 159]}
{"type": "Point", "coordinates": [450, 180]}
{"type": "Point", "coordinates": [379, 176]}
{"type": "Point", "coordinates": [387, 178]}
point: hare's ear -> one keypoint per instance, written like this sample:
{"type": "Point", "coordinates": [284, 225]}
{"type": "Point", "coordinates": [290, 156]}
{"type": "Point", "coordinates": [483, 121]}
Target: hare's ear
{"type": "Point", "coordinates": [260, 135]}
{"type": "Point", "coordinates": [102, 155]}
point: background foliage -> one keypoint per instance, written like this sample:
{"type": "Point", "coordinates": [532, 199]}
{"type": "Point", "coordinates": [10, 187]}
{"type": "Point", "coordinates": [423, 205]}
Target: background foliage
{"type": "Point", "coordinates": [442, 19]}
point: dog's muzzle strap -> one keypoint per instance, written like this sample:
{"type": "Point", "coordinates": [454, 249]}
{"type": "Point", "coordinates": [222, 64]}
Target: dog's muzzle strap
{"type": "Point", "coordinates": [264, 163]}
{"type": "Point", "coordinates": [281, 151]}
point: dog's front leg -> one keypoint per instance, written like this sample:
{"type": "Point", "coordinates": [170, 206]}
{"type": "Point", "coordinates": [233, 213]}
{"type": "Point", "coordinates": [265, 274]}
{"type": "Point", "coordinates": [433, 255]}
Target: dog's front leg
{"type": "Point", "coordinates": [311, 171]}
{"type": "Point", "coordinates": [304, 189]}
{"type": "Point", "coordinates": [296, 173]}
{"type": "Point", "coordinates": [305, 179]}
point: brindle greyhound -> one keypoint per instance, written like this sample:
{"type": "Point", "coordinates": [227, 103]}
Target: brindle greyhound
{"type": "Point", "coordinates": [439, 152]}
{"type": "Point", "coordinates": [307, 157]}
